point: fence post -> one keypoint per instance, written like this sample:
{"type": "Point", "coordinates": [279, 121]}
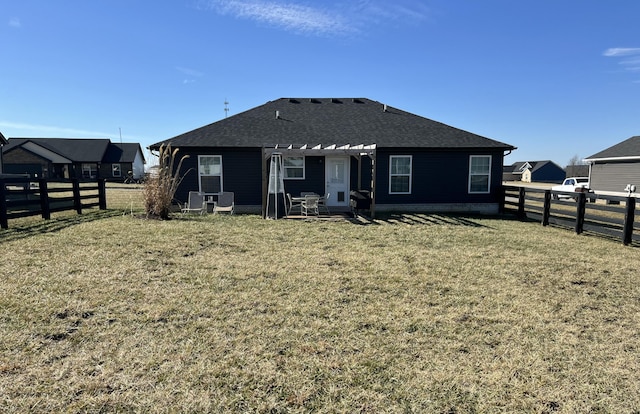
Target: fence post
{"type": "Point", "coordinates": [77, 204]}
{"type": "Point", "coordinates": [102, 194]}
{"type": "Point", "coordinates": [4, 222]}
{"type": "Point", "coordinates": [580, 211]}
{"type": "Point", "coordinates": [521, 213]}
{"type": "Point", "coordinates": [547, 208]}
{"type": "Point", "coordinates": [627, 234]}
{"type": "Point", "coordinates": [45, 208]}
{"type": "Point", "coordinates": [503, 196]}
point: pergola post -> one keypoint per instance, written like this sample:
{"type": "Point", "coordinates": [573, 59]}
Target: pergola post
{"type": "Point", "coordinates": [372, 208]}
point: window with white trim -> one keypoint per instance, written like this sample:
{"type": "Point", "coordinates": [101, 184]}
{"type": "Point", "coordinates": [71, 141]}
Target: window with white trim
{"type": "Point", "coordinates": [293, 168]}
{"type": "Point", "coordinates": [115, 170]}
{"type": "Point", "coordinates": [479, 173]}
{"type": "Point", "coordinates": [89, 170]}
{"type": "Point", "coordinates": [210, 173]}
{"type": "Point", "coordinates": [400, 174]}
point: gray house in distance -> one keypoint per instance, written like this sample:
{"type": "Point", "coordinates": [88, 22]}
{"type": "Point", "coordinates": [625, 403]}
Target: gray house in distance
{"type": "Point", "coordinates": [615, 167]}
{"type": "Point", "coordinates": [333, 146]}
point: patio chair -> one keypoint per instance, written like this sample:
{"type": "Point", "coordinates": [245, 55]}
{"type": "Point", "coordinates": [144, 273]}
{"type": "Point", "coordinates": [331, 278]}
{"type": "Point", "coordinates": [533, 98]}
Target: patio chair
{"type": "Point", "coordinates": [195, 203]}
{"type": "Point", "coordinates": [293, 204]}
{"type": "Point", "coordinates": [310, 204]}
{"type": "Point", "coordinates": [322, 203]}
{"type": "Point", "coordinates": [225, 203]}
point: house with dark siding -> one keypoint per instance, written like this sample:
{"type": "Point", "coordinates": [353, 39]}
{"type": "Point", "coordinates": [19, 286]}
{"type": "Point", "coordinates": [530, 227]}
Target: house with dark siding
{"type": "Point", "coordinates": [66, 158]}
{"type": "Point", "coordinates": [545, 171]}
{"type": "Point", "coordinates": [3, 142]}
{"type": "Point", "coordinates": [612, 169]}
{"type": "Point", "coordinates": [403, 161]}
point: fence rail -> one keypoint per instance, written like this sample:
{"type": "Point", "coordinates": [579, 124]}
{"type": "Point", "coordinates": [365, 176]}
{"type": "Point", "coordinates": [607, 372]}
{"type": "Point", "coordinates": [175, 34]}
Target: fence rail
{"type": "Point", "coordinates": [24, 197]}
{"type": "Point", "coordinates": [612, 216]}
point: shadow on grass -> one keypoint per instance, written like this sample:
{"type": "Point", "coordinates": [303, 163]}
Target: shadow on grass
{"type": "Point", "coordinates": [24, 228]}
{"type": "Point", "coordinates": [424, 219]}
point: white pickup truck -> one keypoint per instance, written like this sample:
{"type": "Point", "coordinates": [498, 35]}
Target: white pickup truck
{"type": "Point", "coordinates": [573, 185]}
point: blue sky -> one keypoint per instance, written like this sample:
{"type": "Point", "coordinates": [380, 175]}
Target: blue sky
{"type": "Point", "coordinates": [554, 78]}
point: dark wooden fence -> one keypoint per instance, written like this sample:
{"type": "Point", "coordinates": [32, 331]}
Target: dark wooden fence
{"type": "Point", "coordinates": [23, 197]}
{"type": "Point", "coordinates": [610, 216]}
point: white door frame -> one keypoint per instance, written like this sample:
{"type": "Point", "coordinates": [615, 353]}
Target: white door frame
{"type": "Point", "coordinates": [333, 195]}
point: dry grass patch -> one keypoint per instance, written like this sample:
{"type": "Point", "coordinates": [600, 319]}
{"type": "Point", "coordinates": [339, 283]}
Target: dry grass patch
{"type": "Point", "coordinates": [239, 314]}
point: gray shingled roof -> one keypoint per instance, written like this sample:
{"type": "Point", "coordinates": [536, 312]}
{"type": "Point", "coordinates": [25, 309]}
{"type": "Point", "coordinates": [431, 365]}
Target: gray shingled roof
{"type": "Point", "coordinates": [327, 121]}
{"type": "Point", "coordinates": [124, 152]}
{"type": "Point", "coordinates": [535, 165]}
{"type": "Point", "coordinates": [627, 148]}
{"type": "Point", "coordinates": [77, 150]}
{"type": "Point", "coordinates": [3, 140]}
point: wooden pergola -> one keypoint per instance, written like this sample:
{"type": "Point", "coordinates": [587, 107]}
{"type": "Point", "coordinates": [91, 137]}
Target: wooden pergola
{"type": "Point", "coordinates": [357, 151]}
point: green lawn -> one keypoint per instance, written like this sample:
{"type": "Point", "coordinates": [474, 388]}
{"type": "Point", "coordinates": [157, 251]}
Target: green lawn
{"type": "Point", "coordinates": [107, 312]}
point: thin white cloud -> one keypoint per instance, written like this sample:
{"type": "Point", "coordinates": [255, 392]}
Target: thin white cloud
{"type": "Point", "coordinates": [631, 64]}
{"type": "Point", "coordinates": [621, 51]}
{"type": "Point", "coordinates": [334, 18]}
{"type": "Point", "coordinates": [381, 12]}
{"type": "Point", "coordinates": [629, 57]}
{"type": "Point", "coordinates": [190, 72]}
{"type": "Point", "coordinates": [288, 16]}
{"type": "Point", "coordinates": [15, 22]}
{"type": "Point", "coordinates": [35, 131]}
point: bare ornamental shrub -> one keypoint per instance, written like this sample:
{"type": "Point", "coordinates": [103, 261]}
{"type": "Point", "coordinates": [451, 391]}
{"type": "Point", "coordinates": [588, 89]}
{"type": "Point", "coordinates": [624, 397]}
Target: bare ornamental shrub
{"type": "Point", "coordinates": [160, 190]}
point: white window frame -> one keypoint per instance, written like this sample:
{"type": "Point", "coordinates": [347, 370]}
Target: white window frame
{"type": "Point", "coordinates": [113, 170]}
{"type": "Point", "coordinates": [473, 174]}
{"type": "Point", "coordinates": [91, 169]}
{"type": "Point", "coordinates": [391, 174]}
{"type": "Point", "coordinates": [286, 168]}
{"type": "Point", "coordinates": [201, 174]}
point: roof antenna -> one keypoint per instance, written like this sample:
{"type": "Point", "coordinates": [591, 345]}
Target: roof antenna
{"type": "Point", "coordinates": [226, 107]}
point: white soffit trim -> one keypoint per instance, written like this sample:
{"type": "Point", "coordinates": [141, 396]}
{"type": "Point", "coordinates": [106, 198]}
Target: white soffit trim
{"type": "Point", "coordinates": [632, 157]}
{"type": "Point", "coordinates": [45, 153]}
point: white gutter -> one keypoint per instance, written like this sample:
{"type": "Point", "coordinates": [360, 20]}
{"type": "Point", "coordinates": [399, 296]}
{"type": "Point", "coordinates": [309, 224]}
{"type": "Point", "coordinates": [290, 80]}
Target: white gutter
{"type": "Point", "coordinates": [632, 157]}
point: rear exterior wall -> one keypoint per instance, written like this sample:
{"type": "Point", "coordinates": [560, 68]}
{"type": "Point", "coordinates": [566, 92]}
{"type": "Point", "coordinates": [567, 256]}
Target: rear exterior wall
{"type": "Point", "coordinates": [438, 177]}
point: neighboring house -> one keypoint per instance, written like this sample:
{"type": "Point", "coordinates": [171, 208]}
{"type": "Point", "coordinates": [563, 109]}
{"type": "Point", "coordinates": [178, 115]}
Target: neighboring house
{"type": "Point", "coordinates": [333, 146]}
{"type": "Point", "coordinates": [577, 170]}
{"type": "Point", "coordinates": [67, 158]}
{"type": "Point", "coordinates": [122, 159]}
{"type": "Point", "coordinates": [534, 171]}
{"type": "Point", "coordinates": [612, 169]}
{"type": "Point", "coordinates": [3, 142]}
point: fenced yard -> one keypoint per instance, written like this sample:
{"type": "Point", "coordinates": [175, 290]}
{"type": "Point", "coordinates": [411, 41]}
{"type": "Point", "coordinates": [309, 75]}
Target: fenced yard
{"type": "Point", "coordinates": [26, 197]}
{"type": "Point", "coordinates": [608, 216]}
{"type": "Point", "coordinates": [106, 312]}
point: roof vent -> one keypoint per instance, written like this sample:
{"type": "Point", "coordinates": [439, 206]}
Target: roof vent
{"type": "Point", "coordinates": [334, 100]}
{"type": "Point", "coordinates": [277, 114]}
{"type": "Point", "coordinates": [358, 101]}
{"type": "Point", "coordinates": [313, 100]}
{"type": "Point", "coordinates": [291, 100]}
{"type": "Point", "coordinates": [384, 108]}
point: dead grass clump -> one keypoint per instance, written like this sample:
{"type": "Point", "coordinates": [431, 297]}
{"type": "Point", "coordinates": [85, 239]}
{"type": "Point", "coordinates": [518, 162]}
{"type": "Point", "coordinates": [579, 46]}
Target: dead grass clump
{"type": "Point", "coordinates": [159, 190]}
